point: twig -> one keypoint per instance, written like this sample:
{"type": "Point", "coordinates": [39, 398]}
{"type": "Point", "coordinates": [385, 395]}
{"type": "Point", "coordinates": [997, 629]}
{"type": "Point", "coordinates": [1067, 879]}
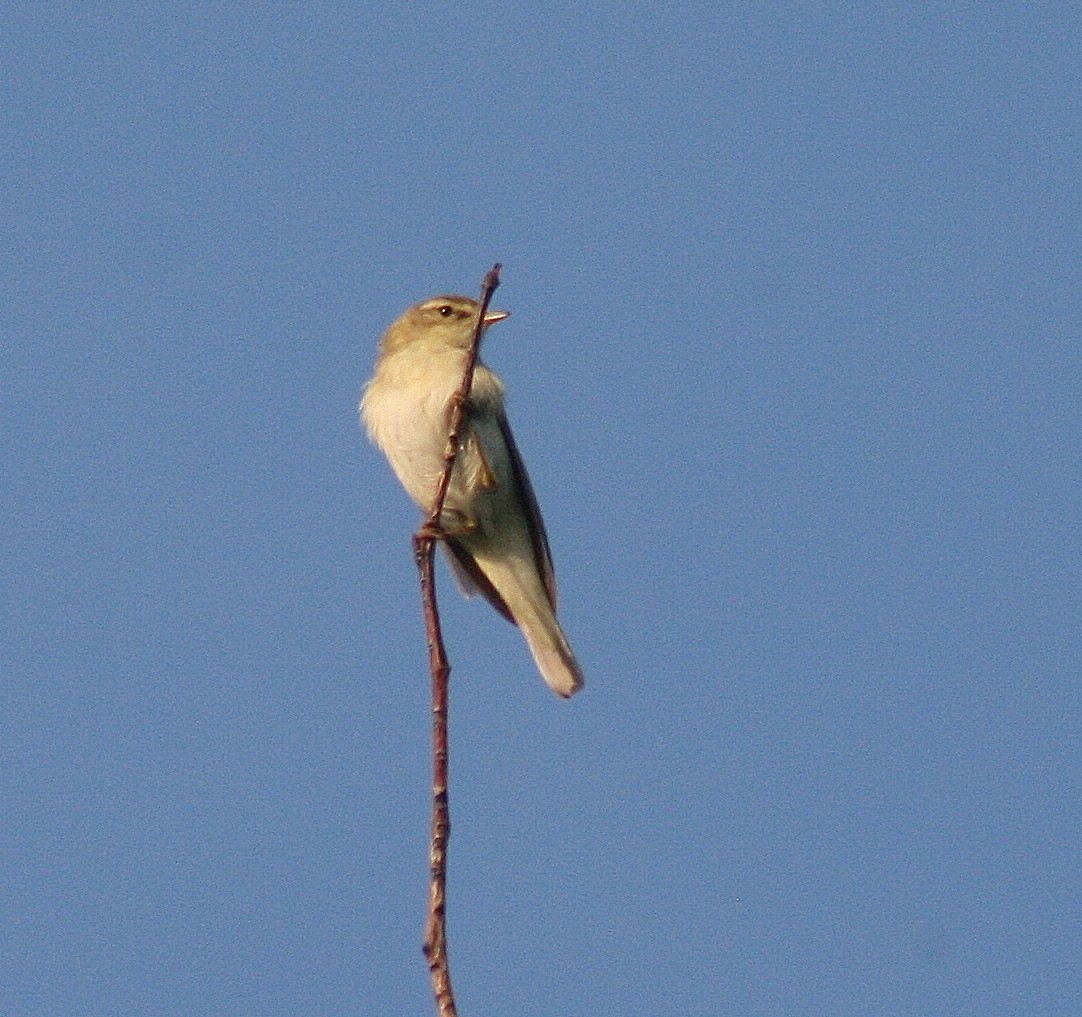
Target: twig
{"type": "Point", "coordinates": [424, 544]}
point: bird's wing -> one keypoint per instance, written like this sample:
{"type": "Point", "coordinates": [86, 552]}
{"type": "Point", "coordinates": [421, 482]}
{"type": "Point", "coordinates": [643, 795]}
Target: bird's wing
{"type": "Point", "coordinates": [468, 573]}
{"type": "Point", "coordinates": [528, 500]}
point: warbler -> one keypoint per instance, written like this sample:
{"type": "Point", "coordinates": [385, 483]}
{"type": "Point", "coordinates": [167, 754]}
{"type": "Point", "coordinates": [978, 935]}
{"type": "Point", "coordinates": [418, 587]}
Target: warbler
{"type": "Point", "coordinates": [491, 525]}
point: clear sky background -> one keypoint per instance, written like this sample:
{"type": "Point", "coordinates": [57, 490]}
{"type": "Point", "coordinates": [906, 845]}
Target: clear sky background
{"type": "Point", "coordinates": [794, 361]}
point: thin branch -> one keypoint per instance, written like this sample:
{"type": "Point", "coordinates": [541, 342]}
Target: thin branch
{"type": "Point", "coordinates": [458, 408]}
{"type": "Point", "coordinates": [424, 544]}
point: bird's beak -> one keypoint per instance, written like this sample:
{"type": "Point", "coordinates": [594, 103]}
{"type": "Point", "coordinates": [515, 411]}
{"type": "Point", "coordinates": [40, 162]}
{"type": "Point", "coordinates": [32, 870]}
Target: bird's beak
{"type": "Point", "coordinates": [491, 317]}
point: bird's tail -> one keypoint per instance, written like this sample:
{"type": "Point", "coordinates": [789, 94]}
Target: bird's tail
{"type": "Point", "coordinates": [551, 651]}
{"type": "Point", "coordinates": [516, 590]}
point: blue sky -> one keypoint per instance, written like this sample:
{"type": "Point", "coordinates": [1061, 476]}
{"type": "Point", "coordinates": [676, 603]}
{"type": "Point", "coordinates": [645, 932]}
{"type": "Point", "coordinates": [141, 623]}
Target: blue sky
{"type": "Point", "coordinates": [794, 362]}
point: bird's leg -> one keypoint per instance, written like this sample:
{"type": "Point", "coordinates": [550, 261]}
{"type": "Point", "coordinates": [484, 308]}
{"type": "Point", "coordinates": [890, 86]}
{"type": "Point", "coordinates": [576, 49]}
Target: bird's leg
{"type": "Point", "coordinates": [459, 410]}
{"type": "Point", "coordinates": [484, 478]}
{"type": "Point", "coordinates": [452, 525]}
{"type": "Point", "coordinates": [463, 402]}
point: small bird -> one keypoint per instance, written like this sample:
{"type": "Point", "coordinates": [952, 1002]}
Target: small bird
{"type": "Point", "coordinates": [492, 529]}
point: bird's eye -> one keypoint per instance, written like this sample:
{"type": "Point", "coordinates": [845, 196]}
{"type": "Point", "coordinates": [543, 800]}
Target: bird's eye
{"type": "Point", "coordinates": [445, 311]}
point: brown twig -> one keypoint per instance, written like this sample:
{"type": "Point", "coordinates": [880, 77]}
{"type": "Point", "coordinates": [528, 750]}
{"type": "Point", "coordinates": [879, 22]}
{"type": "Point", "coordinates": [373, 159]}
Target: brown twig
{"type": "Point", "coordinates": [424, 544]}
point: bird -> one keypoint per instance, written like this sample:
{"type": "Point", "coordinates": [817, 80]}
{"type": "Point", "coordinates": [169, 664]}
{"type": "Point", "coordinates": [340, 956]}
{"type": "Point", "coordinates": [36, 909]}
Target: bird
{"type": "Point", "coordinates": [490, 526]}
